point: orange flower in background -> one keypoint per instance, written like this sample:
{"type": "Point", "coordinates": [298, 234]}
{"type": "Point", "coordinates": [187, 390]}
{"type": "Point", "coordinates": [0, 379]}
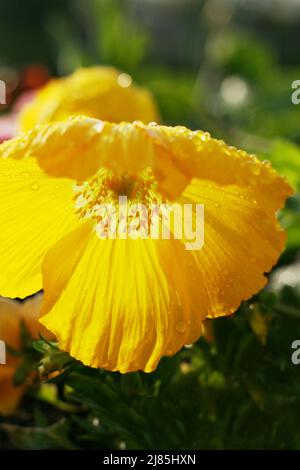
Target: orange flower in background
{"type": "Point", "coordinates": [100, 92]}
{"type": "Point", "coordinates": [23, 85]}
{"type": "Point", "coordinates": [122, 304]}
{"type": "Point", "coordinates": [12, 313]}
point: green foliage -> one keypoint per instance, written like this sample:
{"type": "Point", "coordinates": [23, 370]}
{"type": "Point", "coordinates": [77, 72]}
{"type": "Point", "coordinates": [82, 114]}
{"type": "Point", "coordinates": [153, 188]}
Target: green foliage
{"type": "Point", "coordinates": [115, 28]}
{"type": "Point", "coordinates": [285, 157]}
{"type": "Point", "coordinates": [42, 438]}
{"type": "Point", "coordinates": [236, 392]}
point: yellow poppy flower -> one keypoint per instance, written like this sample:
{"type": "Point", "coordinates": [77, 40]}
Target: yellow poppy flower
{"type": "Point", "coordinates": [11, 315]}
{"type": "Point", "coordinates": [100, 92]}
{"type": "Point", "coordinates": [122, 304]}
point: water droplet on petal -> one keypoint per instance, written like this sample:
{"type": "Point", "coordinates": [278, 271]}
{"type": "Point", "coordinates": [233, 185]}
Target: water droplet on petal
{"type": "Point", "coordinates": [124, 80]}
{"type": "Point", "coordinates": [34, 186]}
{"type": "Point", "coordinates": [180, 327]}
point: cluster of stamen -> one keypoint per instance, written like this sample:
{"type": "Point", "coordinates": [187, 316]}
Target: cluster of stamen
{"type": "Point", "coordinates": [103, 198]}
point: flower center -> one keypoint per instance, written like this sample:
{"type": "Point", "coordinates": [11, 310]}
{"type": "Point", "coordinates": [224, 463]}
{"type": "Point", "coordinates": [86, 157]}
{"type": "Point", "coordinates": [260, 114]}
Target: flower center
{"type": "Point", "coordinates": [103, 197]}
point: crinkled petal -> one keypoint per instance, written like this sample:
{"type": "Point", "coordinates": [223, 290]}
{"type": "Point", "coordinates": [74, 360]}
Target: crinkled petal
{"type": "Point", "coordinates": [242, 242]}
{"type": "Point", "coordinates": [63, 149]}
{"type": "Point", "coordinates": [35, 212]}
{"type": "Point", "coordinates": [120, 304]}
{"type": "Point", "coordinates": [77, 148]}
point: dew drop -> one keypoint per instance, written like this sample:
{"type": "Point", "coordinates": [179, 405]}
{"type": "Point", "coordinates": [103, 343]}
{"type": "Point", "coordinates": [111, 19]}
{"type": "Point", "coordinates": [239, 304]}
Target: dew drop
{"type": "Point", "coordinates": [180, 327]}
{"type": "Point", "coordinates": [34, 186]}
{"type": "Point", "coordinates": [216, 204]}
{"type": "Point", "coordinates": [124, 80]}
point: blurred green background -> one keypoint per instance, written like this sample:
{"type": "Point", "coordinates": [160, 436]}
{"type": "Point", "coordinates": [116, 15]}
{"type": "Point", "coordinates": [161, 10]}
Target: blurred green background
{"type": "Point", "coordinates": [225, 66]}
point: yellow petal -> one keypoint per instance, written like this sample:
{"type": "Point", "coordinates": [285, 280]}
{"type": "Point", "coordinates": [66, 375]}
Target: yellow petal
{"type": "Point", "coordinates": [242, 242]}
{"type": "Point", "coordinates": [196, 154]}
{"type": "Point", "coordinates": [61, 148]}
{"type": "Point", "coordinates": [35, 212]}
{"type": "Point", "coordinates": [176, 155]}
{"type": "Point", "coordinates": [100, 92]}
{"type": "Point", "coordinates": [120, 304]}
